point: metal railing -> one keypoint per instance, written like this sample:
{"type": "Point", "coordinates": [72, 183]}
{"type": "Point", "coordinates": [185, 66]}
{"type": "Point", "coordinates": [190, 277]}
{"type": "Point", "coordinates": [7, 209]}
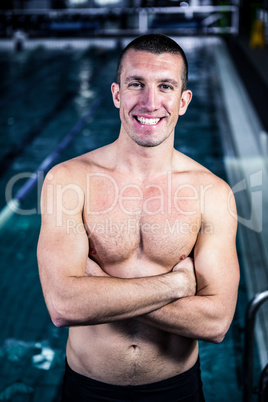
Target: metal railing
{"type": "Point", "coordinates": [251, 312]}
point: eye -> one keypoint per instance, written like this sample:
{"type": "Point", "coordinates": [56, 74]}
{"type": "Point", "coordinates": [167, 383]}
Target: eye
{"type": "Point", "coordinates": [166, 87]}
{"type": "Point", "coordinates": [135, 85]}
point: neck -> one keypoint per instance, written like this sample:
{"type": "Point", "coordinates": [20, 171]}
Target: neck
{"type": "Point", "coordinates": [144, 161]}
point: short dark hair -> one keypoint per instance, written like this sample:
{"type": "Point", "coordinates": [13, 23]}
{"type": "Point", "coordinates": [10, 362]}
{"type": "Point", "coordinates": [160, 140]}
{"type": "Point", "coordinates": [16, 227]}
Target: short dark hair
{"type": "Point", "coordinates": [156, 44]}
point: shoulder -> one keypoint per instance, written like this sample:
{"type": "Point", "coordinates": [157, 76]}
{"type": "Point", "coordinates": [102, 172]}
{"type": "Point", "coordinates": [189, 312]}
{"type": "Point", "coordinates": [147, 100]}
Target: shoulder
{"type": "Point", "coordinates": [65, 184]}
{"type": "Point", "coordinates": [218, 206]}
{"type": "Point", "coordinates": [215, 195]}
{"type": "Point", "coordinates": [200, 176]}
{"type": "Point", "coordinates": [217, 200]}
{"type": "Point", "coordinates": [75, 170]}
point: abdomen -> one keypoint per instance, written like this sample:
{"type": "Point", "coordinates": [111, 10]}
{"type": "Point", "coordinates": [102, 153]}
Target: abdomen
{"type": "Point", "coordinates": [129, 353]}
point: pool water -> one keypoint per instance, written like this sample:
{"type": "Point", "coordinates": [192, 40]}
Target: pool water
{"type": "Point", "coordinates": [43, 93]}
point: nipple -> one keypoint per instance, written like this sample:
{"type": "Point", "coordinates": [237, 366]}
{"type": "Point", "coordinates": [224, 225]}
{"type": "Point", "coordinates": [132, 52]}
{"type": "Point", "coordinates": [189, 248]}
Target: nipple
{"type": "Point", "coordinates": [183, 256]}
{"type": "Point", "coordinates": [92, 251]}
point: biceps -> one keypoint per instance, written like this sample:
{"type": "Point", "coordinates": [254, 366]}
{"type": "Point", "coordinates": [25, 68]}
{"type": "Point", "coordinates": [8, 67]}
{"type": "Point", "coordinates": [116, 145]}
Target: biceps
{"type": "Point", "coordinates": [61, 254]}
{"type": "Point", "coordinates": [216, 267]}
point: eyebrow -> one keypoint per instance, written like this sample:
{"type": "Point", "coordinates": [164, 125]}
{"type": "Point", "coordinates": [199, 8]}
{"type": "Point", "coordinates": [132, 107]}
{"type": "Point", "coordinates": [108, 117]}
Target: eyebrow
{"type": "Point", "coordinates": [170, 81]}
{"type": "Point", "coordinates": [133, 78]}
{"type": "Point", "coordinates": [139, 78]}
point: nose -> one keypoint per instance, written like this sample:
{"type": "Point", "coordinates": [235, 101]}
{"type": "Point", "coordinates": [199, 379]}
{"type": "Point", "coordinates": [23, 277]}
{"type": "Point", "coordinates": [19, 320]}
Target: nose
{"type": "Point", "coordinates": [151, 99]}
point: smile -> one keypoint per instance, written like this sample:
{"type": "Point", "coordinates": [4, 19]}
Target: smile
{"type": "Point", "coordinates": [148, 122]}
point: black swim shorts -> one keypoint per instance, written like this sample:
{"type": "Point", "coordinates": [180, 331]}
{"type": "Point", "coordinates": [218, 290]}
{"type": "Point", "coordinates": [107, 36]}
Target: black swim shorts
{"type": "Point", "coordinates": [185, 387]}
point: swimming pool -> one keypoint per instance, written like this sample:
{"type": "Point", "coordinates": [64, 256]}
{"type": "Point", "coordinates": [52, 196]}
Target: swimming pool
{"type": "Point", "coordinates": [44, 92]}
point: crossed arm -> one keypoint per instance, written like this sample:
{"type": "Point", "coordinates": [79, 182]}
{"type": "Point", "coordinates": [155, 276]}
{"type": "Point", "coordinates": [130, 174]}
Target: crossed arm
{"type": "Point", "coordinates": [74, 298]}
{"type": "Point", "coordinates": [165, 301]}
{"type": "Point", "coordinates": [208, 314]}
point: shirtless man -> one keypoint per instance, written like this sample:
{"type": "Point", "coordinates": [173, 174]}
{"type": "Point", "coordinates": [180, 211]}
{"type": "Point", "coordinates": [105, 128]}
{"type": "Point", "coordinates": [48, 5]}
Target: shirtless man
{"type": "Point", "coordinates": [118, 226]}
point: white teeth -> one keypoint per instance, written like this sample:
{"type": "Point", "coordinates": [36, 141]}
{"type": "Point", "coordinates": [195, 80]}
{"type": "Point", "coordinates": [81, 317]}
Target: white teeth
{"type": "Point", "coordinates": [149, 122]}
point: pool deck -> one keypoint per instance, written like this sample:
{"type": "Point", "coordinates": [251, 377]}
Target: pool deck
{"type": "Point", "coordinates": [246, 161]}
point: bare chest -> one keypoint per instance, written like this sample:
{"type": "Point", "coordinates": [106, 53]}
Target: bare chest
{"type": "Point", "coordinates": [158, 221]}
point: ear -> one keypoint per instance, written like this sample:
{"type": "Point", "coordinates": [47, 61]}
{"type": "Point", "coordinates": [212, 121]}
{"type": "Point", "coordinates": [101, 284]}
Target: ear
{"type": "Point", "coordinates": [186, 98]}
{"type": "Point", "coordinates": [116, 94]}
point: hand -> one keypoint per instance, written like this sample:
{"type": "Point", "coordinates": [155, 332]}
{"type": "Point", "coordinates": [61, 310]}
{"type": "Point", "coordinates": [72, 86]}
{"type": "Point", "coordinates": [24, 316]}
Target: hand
{"type": "Point", "coordinates": [93, 269]}
{"type": "Point", "coordinates": [186, 266]}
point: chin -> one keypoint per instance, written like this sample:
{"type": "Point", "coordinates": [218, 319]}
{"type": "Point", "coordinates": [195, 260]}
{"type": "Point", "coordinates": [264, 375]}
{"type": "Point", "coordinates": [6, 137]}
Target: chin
{"type": "Point", "coordinates": [146, 141]}
{"type": "Point", "coordinates": [148, 144]}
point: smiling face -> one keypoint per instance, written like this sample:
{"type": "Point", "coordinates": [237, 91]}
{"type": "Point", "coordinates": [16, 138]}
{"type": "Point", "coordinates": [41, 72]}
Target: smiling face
{"type": "Point", "coordinates": [150, 96]}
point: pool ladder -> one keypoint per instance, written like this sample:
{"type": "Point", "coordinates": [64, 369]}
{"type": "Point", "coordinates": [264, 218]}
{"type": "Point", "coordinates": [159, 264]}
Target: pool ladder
{"type": "Point", "coordinates": [251, 312]}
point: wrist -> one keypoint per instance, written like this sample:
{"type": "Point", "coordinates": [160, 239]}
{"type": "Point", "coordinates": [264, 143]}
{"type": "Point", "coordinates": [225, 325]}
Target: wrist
{"type": "Point", "coordinates": [185, 284]}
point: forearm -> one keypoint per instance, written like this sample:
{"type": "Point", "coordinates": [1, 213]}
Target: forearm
{"type": "Point", "coordinates": [196, 317]}
{"type": "Point", "coordinates": [96, 300]}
